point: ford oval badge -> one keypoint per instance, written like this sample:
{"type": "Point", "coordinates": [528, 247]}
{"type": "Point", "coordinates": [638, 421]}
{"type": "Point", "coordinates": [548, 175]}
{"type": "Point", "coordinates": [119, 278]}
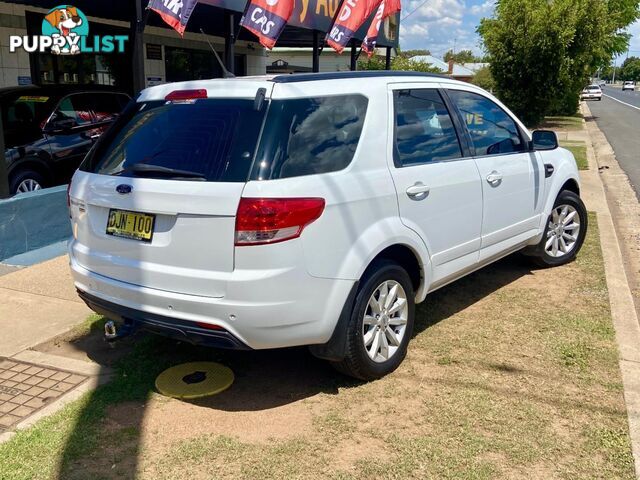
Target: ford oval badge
{"type": "Point", "coordinates": [123, 189]}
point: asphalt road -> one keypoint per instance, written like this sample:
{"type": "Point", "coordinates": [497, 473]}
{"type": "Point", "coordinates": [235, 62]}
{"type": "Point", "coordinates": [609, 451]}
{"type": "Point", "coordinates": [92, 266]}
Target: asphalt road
{"type": "Point", "coordinates": [618, 116]}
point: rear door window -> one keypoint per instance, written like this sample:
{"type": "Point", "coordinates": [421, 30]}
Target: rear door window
{"type": "Point", "coordinates": [309, 136]}
{"type": "Point", "coordinates": [215, 139]}
{"type": "Point", "coordinates": [424, 131]}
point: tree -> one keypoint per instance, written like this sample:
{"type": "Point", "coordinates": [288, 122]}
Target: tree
{"type": "Point", "coordinates": [543, 53]}
{"type": "Point", "coordinates": [397, 63]}
{"type": "Point", "coordinates": [413, 53]}
{"type": "Point", "coordinates": [463, 56]}
{"type": "Point", "coordinates": [630, 69]}
{"type": "Point", "coordinates": [484, 79]}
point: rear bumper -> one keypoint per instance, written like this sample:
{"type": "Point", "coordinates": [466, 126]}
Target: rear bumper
{"type": "Point", "coordinates": [290, 308]}
{"type": "Point", "coordinates": [166, 326]}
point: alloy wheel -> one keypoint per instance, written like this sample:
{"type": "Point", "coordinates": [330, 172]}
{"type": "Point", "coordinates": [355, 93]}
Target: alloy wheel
{"type": "Point", "coordinates": [28, 185]}
{"type": "Point", "coordinates": [563, 231]}
{"type": "Point", "coordinates": [385, 321]}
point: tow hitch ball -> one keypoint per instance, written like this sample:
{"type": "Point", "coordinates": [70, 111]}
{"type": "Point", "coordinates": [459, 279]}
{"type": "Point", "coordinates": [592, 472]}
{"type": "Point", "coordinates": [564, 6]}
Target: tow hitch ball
{"type": "Point", "coordinates": [113, 333]}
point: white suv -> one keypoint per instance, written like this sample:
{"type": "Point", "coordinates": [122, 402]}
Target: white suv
{"type": "Point", "coordinates": [311, 209]}
{"type": "Point", "coordinates": [628, 86]}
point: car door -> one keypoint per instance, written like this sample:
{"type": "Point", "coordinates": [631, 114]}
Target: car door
{"type": "Point", "coordinates": [512, 174]}
{"type": "Point", "coordinates": [437, 182]}
{"type": "Point", "coordinates": [71, 131]}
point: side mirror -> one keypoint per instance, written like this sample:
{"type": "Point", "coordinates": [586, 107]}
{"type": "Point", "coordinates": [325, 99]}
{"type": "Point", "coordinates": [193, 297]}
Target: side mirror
{"type": "Point", "coordinates": [544, 140]}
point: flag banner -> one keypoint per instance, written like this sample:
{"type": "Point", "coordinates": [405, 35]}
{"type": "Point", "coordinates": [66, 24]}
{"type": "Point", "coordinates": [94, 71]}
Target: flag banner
{"type": "Point", "coordinates": [266, 19]}
{"type": "Point", "coordinates": [386, 9]}
{"type": "Point", "coordinates": [353, 13]}
{"type": "Point", "coordinates": [175, 13]}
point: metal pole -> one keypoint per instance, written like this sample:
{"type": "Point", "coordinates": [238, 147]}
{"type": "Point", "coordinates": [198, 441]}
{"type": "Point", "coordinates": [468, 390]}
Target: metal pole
{"type": "Point", "coordinates": [387, 59]}
{"type": "Point", "coordinates": [316, 52]}
{"type": "Point", "coordinates": [4, 177]}
{"type": "Point", "coordinates": [354, 56]}
{"type": "Point", "coordinates": [138, 47]}
{"type": "Point", "coordinates": [229, 43]}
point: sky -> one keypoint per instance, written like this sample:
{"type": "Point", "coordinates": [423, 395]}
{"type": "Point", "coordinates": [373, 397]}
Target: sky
{"type": "Point", "coordinates": [438, 25]}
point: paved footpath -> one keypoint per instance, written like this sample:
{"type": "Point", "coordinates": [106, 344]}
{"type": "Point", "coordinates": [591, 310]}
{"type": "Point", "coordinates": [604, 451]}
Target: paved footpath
{"type": "Point", "coordinates": [36, 304]}
{"type": "Point", "coordinates": [623, 309]}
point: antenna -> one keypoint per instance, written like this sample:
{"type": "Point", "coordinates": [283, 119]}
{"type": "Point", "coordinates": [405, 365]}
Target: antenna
{"type": "Point", "coordinates": [225, 73]}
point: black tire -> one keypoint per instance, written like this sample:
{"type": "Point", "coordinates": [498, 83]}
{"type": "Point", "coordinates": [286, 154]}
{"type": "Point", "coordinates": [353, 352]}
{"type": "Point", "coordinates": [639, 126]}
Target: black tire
{"type": "Point", "coordinates": [538, 253]}
{"type": "Point", "coordinates": [20, 176]}
{"type": "Point", "coordinates": [357, 362]}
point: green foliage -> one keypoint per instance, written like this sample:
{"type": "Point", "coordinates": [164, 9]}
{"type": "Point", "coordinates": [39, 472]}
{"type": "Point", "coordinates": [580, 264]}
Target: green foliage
{"type": "Point", "coordinates": [630, 69]}
{"type": "Point", "coordinates": [542, 53]}
{"type": "Point", "coordinates": [484, 79]}
{"type": "Point", "coordinates": [463, 56]}
{"type": "Point", "coordinates": [413, 53]}
{"type": "Point", "coordinates": [397, 63]}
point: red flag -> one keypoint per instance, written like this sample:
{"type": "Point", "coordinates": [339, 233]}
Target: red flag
{"type": "Point", "coordinates": [175, 13]}
{"type": "Point", "coordinates": [353, 14]}
{"type": "Point", "coordinates": [386, 9]}
{"type": "Point", "coordinates": [266, 19]}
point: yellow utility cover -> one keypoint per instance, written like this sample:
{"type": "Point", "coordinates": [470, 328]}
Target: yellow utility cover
{"type": "Point", "coordinates": [194, 380]}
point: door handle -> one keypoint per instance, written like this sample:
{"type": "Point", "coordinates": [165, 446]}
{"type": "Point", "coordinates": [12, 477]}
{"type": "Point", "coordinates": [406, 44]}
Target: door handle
{"type": "Point", "coordinates": [494, 178]}
{"type": "Point", "coordinates": [418, 191]}
{"type": "Point", "coordinates": [95, 137]}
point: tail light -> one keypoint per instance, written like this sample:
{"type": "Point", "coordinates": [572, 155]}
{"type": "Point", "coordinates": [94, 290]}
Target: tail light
{"type": "Point", "coordinates": [261, 221]}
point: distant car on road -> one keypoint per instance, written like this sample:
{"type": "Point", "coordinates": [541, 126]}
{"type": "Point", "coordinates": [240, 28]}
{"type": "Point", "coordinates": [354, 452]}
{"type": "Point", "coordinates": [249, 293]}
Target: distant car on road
{"type": "Point", "coordinates": [48, 130]}
{"type": "Point", "coordinates": [628, 86]}
{"type": "Point", "coordinates": [602, 83]}
{"type": "Point", "coordinates": [592, 92]}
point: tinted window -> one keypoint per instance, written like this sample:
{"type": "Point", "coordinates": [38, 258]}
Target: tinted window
{"type": "Point", "coordinates": [424, 131]}
{"type": "Point", "coordinates": [26, 111]}
{"type": "Point", "coordinates": [492, 130]}
{"type": "Point", "coordinates": [106, 106]}
{"type": "Point", "coordinates": [310, 135]}
{"type": "Point", "coordinates": [75, 109]}
{"type": "Point", "coordinates": [214, 138]}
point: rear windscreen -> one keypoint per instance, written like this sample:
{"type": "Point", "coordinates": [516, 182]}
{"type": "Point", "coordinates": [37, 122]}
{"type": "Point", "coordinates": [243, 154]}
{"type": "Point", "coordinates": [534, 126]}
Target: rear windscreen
{"type": "Point", "coordinates": [214, 138]}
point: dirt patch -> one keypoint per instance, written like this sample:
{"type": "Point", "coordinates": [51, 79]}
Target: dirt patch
{"type": "Point", "coordinates": [512, 372]}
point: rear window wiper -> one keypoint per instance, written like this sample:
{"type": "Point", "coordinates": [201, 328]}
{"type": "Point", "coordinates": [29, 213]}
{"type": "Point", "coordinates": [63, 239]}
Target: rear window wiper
{"type": "Point", "coordinates": [164, 171]}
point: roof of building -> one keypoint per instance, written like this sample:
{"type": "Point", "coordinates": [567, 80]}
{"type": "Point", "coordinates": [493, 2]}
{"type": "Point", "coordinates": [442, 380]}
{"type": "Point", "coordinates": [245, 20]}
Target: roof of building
{"type": "Point", "coordinates": [458, 70]}
{"type": "Point", "coordinates": [309, 77]}
{"type": "Point", "coordinates": [474, 67]}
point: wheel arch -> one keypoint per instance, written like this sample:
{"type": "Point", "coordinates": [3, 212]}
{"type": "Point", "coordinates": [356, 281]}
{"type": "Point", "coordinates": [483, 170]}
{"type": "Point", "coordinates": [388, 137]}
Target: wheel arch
{"type": "Point", "coordinates": [32, 163]}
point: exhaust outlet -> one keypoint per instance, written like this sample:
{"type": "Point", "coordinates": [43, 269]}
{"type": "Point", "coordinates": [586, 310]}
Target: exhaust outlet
{"type": "Point", "coordinates": [110, 332]}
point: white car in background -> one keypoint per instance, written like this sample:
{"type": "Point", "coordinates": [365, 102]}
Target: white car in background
{"type": "Point", "coordinates": [628, 86]}
{"type": "Point", "coordinates": [312, 209]}
{"type": "Point", "coordinates": [592, 92]}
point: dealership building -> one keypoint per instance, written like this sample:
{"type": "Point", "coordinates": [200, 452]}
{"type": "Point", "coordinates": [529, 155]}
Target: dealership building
{"type": "Point", "coordinates": [160, 55]}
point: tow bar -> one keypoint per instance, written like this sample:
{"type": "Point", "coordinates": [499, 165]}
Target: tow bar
{"type": "Point", "coordinates": [113, 333]}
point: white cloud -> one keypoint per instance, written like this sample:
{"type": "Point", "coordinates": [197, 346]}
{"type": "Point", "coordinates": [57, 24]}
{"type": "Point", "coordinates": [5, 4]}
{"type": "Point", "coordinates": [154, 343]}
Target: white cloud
{"type": "Point", "coordinates": [438, 24]}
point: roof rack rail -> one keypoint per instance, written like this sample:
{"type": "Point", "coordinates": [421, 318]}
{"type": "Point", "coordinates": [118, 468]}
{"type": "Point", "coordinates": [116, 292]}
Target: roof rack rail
{"type": "Point", "coordinates": [311, 77]}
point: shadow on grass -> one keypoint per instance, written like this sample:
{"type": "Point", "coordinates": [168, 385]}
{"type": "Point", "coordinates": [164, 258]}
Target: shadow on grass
{"type": "Point", "coordinates": [105, 441]}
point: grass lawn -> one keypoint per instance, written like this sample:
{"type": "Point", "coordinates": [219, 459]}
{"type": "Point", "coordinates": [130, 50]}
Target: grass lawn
{"type": "Point", "coordinates": [579, 150]}
{"type": "Point", "coordinates": [512, 373]}
{"type": "Point", "coordinates": [562, 123]}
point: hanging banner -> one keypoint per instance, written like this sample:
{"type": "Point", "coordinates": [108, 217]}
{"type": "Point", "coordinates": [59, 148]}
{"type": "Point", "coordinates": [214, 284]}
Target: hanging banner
{"type": "Point", "coordinates": [266, 19]}
{"type": "Point", "coordinates": [352, 15]}
{"type": "Point", "coordinates": [175, 13]}
{"type": "Point", "coordinates": [385, 10]}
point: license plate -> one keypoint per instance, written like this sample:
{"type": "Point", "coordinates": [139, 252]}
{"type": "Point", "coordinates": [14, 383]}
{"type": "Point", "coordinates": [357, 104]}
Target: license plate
{"type": "Point", "coordinates": [133, 225]}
